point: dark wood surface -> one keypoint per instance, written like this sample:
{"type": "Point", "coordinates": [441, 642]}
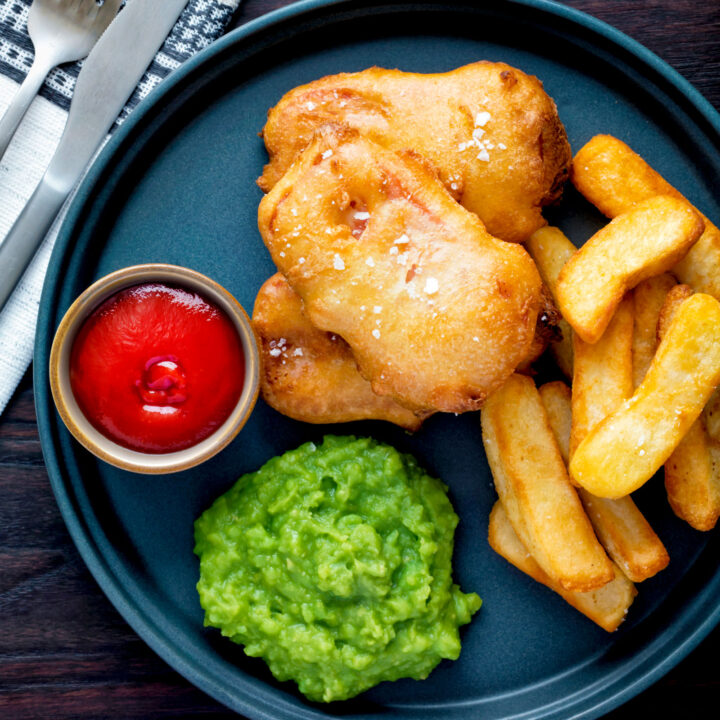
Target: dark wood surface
{"type": "Point", "coordinates": [64, 650]}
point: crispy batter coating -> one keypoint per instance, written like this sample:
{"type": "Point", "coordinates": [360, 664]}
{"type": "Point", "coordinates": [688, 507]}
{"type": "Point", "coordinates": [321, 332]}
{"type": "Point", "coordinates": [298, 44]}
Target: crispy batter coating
{"type": "Point", "coordinates": [490, 130]}
{"type": "Point", "coordinates": [309, 374]}
{"type": "Point", "coordinates": [436, 311]}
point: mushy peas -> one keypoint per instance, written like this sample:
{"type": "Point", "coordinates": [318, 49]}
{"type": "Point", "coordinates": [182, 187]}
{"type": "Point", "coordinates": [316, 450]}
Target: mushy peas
{"type": "Point", "coordinates": [333, 563]}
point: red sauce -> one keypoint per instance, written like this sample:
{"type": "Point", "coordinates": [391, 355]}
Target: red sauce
{"type": "Point", "coordinates": [157, 368]}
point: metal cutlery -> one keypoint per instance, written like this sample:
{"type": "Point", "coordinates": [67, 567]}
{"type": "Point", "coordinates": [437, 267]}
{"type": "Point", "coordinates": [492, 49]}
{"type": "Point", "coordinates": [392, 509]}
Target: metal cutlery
{"type": "Point", "coordinates": [61, 31]}
{"type": "Point", "coordinates": [108, 77]}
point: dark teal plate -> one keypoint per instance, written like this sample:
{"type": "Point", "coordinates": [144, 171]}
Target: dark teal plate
{"type": "Point", "coordinates": [177, 184]}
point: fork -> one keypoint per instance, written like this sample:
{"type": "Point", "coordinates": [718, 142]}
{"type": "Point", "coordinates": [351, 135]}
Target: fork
{"type": "Point", "coordinates": [61, 31]}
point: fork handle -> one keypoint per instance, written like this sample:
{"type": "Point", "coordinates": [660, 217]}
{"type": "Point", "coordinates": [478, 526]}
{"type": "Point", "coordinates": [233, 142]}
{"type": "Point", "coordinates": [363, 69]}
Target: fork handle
{"type": "Point", "coordinates": [23, 98]}
{"type": "Point", "coordinates": [25, 236]}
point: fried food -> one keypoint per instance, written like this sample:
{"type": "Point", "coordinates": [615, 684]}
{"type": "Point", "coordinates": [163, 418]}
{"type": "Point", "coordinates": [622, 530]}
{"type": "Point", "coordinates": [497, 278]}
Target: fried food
{"type": "Point", "coordinates": [547, 331]}
{"type": "Point", "coordinates": [436, 311]}
{"type": "Point", "coordinates": [645, 241]}
{"type": "Point", "coordinates": [692, 478]}
{"type": "Point", "coordinates": [626, 449]}
{"type": "Point", "coordinates": [619, 525]}
{"type": "Point", "coordinates": [551, 249]}
{"type": "Point", "coordinates": [311, 375]}
{"type": "Point", "coordinates": [533, 486]}
{"type": "Point", "coordinates": [602, 378]}
{"type": "Point", "coordinates": [614, 178]}
{"type": "Point", "coordinates": [711, 416]}
{"type": "Point", "coordinates": [490, 130]}
{"type": "Point", "coordinates": [607, 606]}
{"type": "Point", "coordinates": [648, 299]}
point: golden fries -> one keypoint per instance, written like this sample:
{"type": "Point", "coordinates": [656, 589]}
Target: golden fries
{"type": "Point", "coordinates": [691, 478]}
{"type": "Point", "coordinates": [626, 535]}
{"type": "Point", "coordinates": [602, 376]}
{"type": "Point", "coordinates": [614, 178]}
{"type": "Point", "coordinates": [645, 241]}
{"type": "Point", "coordinates": [550, 250]}
{"type": "Point", "coordinates": [711, 416]}
{"type": "Point", "coordinates": [629, 446]}
{"type": "Point", "coordinates": [606, 606]}
{"type": "Point", "coordinates": [533, 485]}
{"type": "Point", "coordinates": [620, 526]}
{"type": "Point", "coordinates": [676, 296]}
{"type": "Point", "coordinates": [648, 299]}
{"type": "Point", "coordinates": [557, 399]}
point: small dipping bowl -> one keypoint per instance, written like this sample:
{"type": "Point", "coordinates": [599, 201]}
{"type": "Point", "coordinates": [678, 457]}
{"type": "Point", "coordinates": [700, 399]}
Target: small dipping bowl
{"type": "Point", "coordinates": [98, 443]}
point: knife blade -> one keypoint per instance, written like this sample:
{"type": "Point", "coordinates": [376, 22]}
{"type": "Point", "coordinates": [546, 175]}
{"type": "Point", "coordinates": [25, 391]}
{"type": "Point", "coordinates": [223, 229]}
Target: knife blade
{"type": "Point", "coordinates": [108, 77]}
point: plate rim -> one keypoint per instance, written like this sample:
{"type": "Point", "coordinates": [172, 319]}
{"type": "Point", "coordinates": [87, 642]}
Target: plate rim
{"type": "Point", "coordinates": [261, 703]}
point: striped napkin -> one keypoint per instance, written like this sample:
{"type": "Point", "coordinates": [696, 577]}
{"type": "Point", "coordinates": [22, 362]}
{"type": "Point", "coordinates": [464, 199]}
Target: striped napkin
{"type": "Point", "coordinates": [24, 164]}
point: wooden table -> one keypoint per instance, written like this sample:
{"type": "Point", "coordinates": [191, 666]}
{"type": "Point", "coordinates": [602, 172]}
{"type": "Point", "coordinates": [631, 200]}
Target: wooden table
{"type": "Point", "coordinates": [64, 650]}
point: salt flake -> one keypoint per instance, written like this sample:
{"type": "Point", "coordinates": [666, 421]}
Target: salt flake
{"type": "Point", "coordinates": [431, 285]}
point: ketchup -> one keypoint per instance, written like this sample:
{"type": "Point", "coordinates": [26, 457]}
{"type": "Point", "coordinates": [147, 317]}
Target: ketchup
{"type": "Point", "coordinates": [157, 368]}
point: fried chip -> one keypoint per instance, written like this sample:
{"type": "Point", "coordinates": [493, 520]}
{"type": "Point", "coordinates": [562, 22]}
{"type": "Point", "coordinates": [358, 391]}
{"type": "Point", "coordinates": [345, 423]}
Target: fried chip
{"type": "Point", "coordinates": [645, 241]}
{"type": "Point", "coordinates": [551, 249]}
{"type": "Point", "coordinates": [602, 377]}
{"type": "Point", "coordinates": [607, 606]}
{"type": "Point", "coordinates": [626, 449]}
{"type": "Point", "coordinates": [533, 485]}
{"type": "Point", "coordinates": [614, 178]}
{"type": "Point", "coordinates": [648, 299]}
{"type": "Point", "coordinates": [692, 481]}
{"type": "Point", "coordinates": [620, 526]}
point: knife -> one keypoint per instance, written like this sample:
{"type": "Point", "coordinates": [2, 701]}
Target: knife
{"type": "Point", "coordinates": [108, 77]}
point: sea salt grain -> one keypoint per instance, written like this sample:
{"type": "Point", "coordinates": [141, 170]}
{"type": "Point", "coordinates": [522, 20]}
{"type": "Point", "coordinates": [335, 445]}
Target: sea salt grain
{"type": "Point", "coordinates": [431, 285]}
{"type": "Point", "coordinates": [338, 263]}
{"type": "Point", "coordinates": [481, 119]}
{"type": "Point", "coordinates": [376, 333]}
{"type": "Point", "coordinates": [362, 215]}
{"type": "Point", "coordinates": [327, 154]}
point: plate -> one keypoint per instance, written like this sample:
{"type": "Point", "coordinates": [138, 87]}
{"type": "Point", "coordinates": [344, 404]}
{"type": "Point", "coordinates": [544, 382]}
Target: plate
{"type": "Point", "coordinates": [176, 184]}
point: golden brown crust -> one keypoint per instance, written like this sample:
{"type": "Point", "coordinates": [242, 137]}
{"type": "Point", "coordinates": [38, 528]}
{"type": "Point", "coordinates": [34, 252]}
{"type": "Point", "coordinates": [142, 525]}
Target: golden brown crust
{"type": "Point", "coordinates": [547, 330]}
{"type": "Point", "coordinates": [436, 311]}
{"type": "Point", "coordinates": [490, 130]}
{"type": "Point", "coordinates": [308, 374]}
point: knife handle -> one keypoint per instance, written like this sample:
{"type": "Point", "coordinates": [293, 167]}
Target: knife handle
{"type": "Point", "coordinates": [25, 236]}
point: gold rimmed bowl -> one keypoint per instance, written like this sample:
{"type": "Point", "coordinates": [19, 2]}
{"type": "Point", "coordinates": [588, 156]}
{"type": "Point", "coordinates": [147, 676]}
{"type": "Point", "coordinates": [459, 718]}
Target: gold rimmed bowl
{"type": "Point", "coordinates": [91, 437]}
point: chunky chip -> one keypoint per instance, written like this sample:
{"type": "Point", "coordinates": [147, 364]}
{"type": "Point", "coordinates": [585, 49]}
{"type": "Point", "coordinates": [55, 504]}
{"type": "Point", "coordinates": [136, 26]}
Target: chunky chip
{"type": "Point", "coordinates": [675, 297]}
{"type": "Point", "coordinates": [692, 481]}
{"type": "Point", "coordinates": [533, 485]}
{"type": "Point", "coordinates": [607, 606]}
{"type": "Point", "coordinates": [614, 178]}
{"type": "Point", "coordinates": [602, 377]}
{"type": "Point", "coordinates": [648, 299]}
{"type": "Point", "coordinates": [551, 249]}
{"type": "Point", "coordinates": [645, 241]}
{"type": "Point", "coordinates": [620, 526]}
{"type": "Point", "coordinates": [711, 415]}
{"type": "Point", "coordinates": [626, 449]}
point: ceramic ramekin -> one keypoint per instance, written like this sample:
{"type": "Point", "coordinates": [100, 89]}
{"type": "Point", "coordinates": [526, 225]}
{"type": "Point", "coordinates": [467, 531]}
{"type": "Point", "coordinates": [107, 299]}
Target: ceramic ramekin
{"type": "Point", "coordinates": [102, 446]}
